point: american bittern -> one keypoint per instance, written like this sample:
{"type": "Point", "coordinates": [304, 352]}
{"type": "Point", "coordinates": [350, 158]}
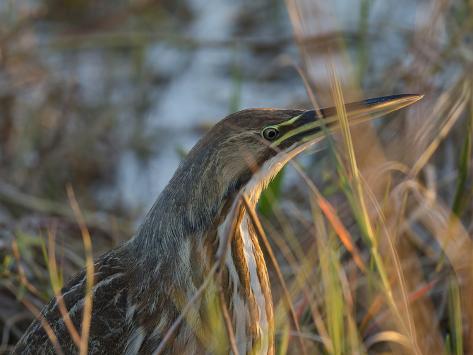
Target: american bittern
{"type": "Point", "coordinates": [143, 286]}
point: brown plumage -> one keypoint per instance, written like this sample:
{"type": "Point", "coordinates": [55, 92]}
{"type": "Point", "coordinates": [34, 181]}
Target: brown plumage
{"type": "Point", "coordinates": [142, 286]}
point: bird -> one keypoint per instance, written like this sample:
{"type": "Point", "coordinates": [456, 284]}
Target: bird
{"type": "Point", "coordinates": [158, 292]}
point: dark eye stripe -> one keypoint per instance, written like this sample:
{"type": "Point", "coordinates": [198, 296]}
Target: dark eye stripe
{"type": "Point", "coordinates": [298, 136]}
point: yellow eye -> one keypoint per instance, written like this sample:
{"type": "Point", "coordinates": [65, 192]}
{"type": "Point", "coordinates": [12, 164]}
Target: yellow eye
{"type": "Point", "coordinates": [270, 133]}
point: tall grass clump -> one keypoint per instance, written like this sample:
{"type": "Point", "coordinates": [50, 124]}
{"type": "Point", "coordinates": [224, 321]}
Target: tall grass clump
{"type": "Point", "coordinates": [388, 269]}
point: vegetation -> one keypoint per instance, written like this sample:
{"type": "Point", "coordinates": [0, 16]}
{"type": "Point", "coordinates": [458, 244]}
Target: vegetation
{"type": "Point", "coordinates": [370, 241]}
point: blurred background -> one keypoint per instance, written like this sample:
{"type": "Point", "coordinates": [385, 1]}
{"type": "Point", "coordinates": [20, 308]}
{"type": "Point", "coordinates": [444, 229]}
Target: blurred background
{"type": "Point", "coordinates": [106, 97]}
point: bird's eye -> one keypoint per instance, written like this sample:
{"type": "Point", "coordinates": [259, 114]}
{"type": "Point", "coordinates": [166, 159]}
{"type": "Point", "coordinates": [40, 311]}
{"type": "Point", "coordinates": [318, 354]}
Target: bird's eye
{"type": "Point", "coordinates": [270, 133]}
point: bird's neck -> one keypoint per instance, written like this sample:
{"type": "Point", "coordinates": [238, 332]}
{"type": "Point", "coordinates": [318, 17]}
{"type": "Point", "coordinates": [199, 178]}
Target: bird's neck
{"type": "Point", "coordinates": [184, 230]}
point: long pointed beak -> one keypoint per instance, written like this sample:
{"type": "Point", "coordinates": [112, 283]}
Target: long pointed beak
{"type": "Point", "coordinates": [312, 124]}
{"type": "Point", "coordinates": [366, 110]}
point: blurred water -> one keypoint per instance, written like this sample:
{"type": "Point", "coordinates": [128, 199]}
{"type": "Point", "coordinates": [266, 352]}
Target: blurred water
{"type": "Point", "coordinates": [189, 87]}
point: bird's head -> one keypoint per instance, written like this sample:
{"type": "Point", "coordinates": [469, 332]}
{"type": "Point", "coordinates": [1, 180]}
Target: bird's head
{"type": "Point", "coordinates": [250, 146]}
